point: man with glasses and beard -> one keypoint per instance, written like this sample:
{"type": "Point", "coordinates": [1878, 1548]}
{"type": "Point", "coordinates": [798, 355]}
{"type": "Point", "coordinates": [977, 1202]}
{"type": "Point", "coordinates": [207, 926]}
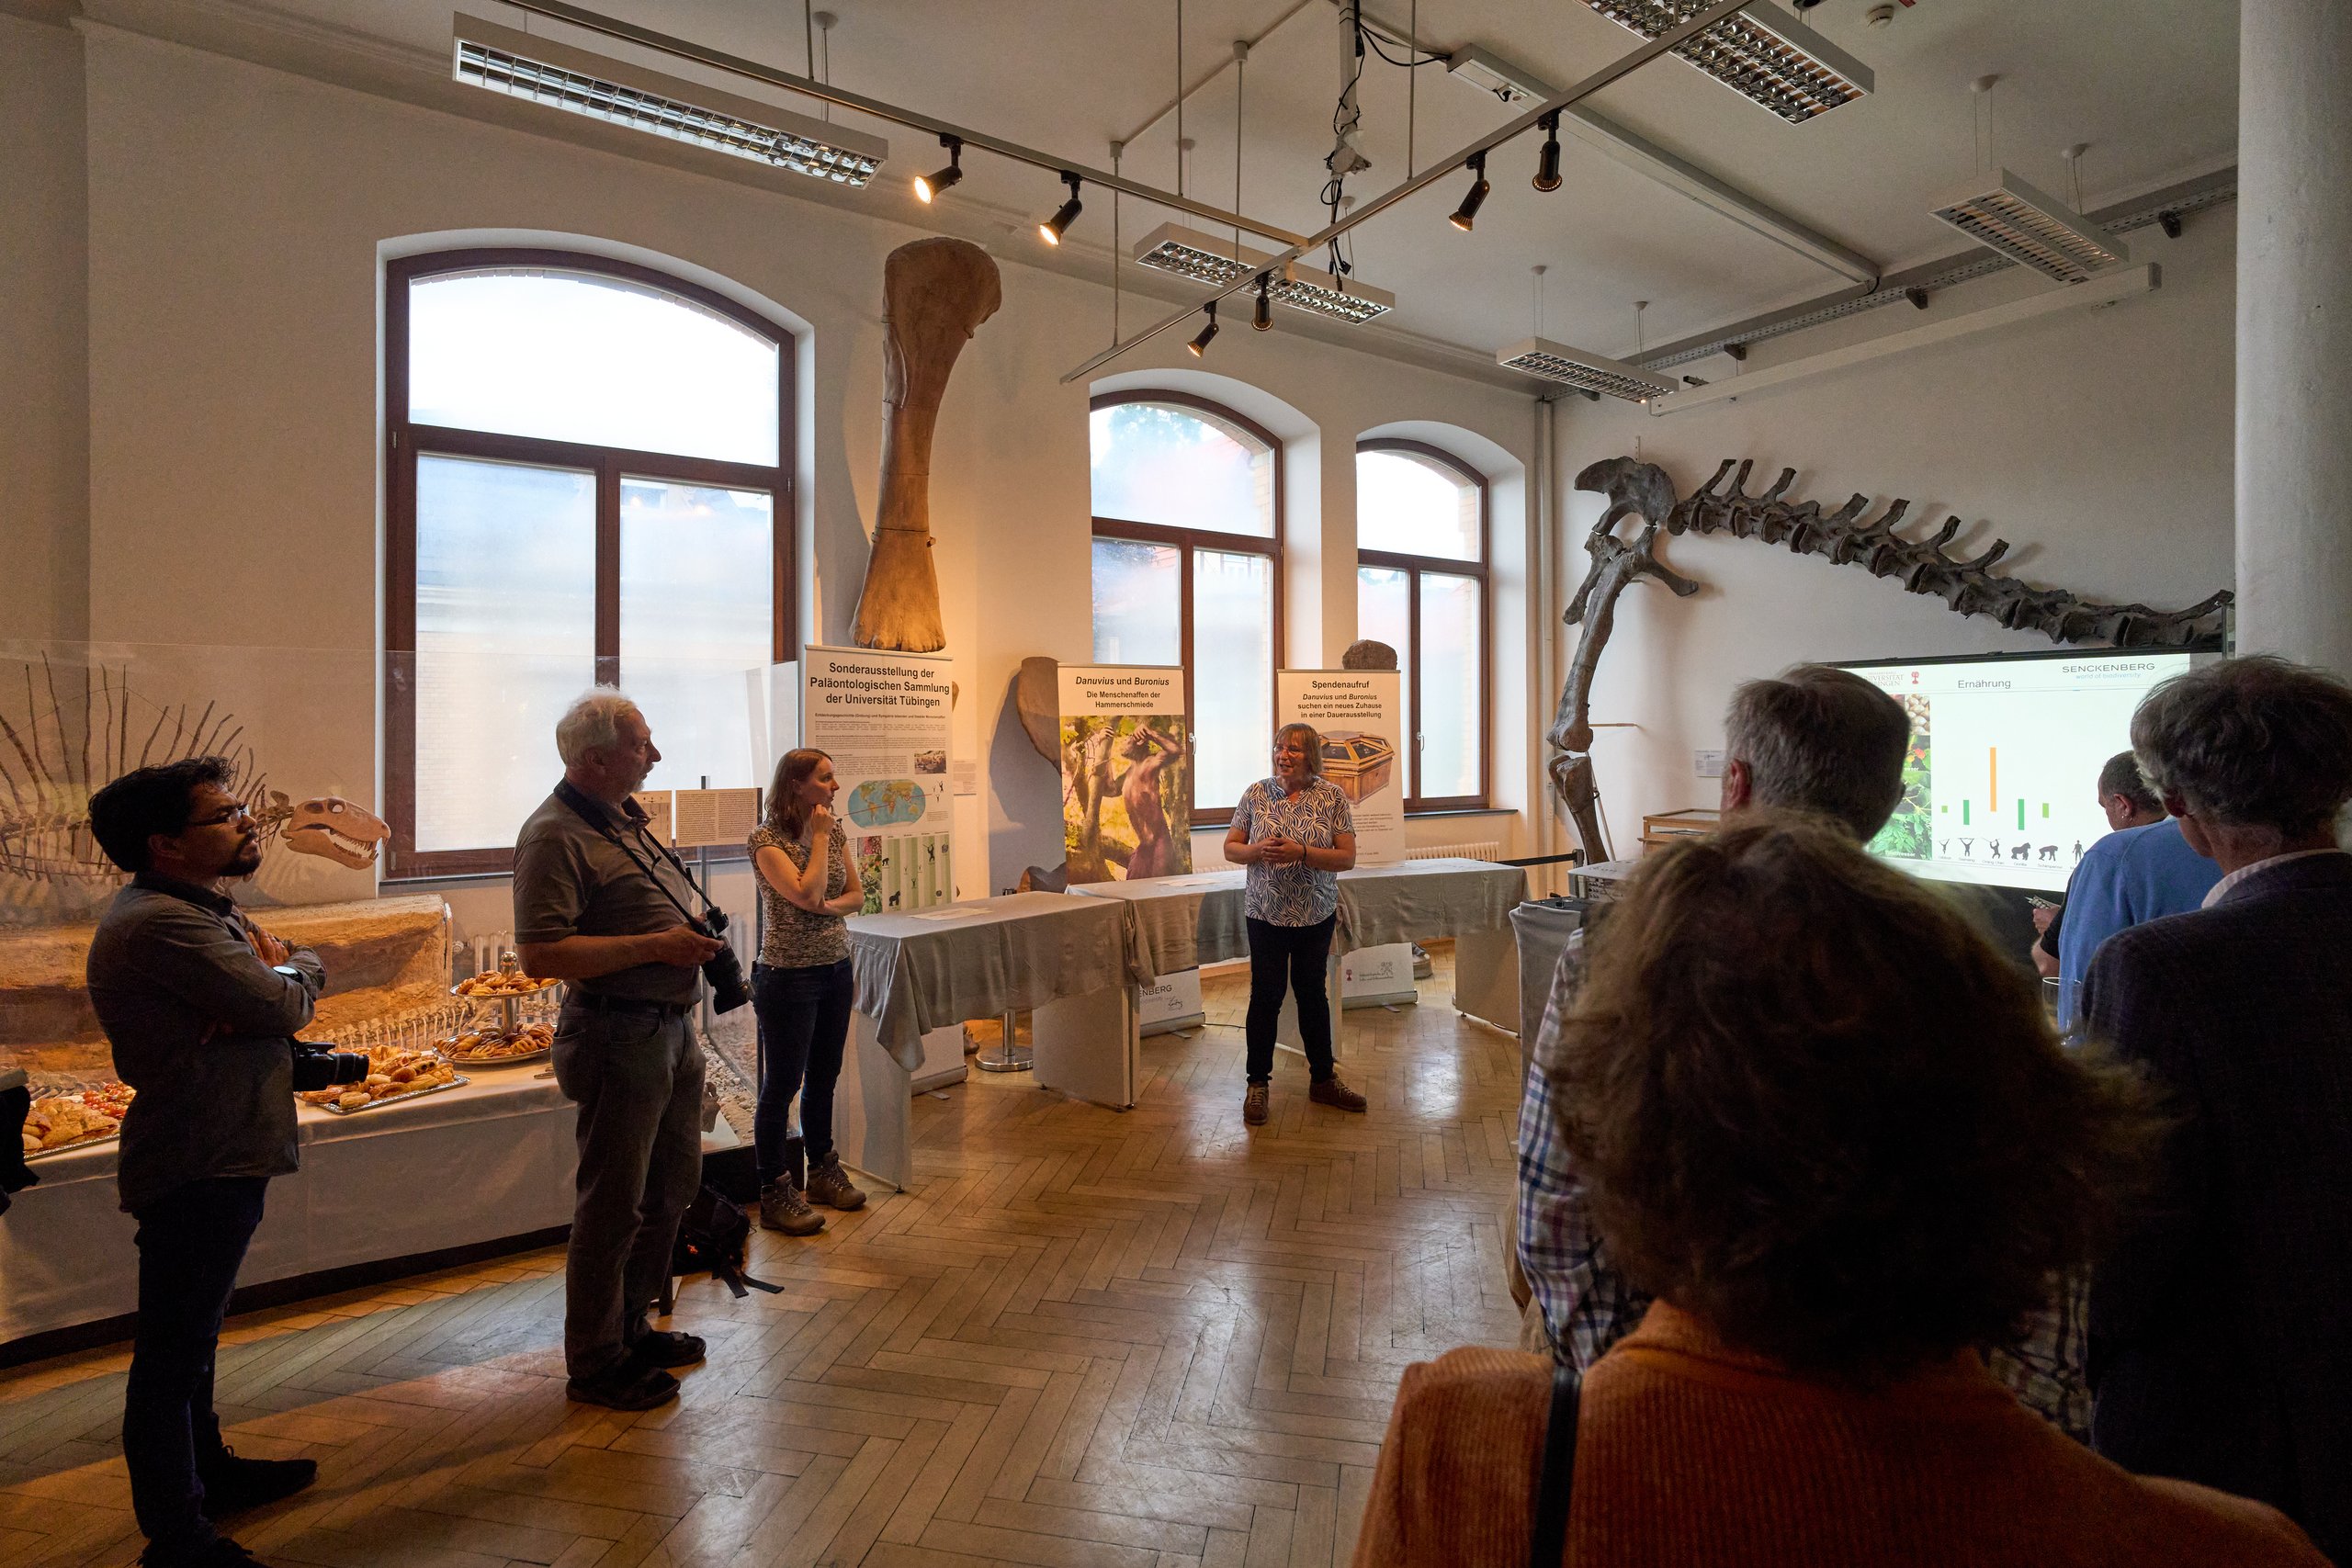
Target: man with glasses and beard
{"type": "Point", "coordinates": [596, 903]}
{"type": "Point", "coordinates": [200, 1005]}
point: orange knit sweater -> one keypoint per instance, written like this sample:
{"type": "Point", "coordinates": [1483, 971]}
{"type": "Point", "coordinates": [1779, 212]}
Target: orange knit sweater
{"type": "Point", "coordinates": [1689, 1452]}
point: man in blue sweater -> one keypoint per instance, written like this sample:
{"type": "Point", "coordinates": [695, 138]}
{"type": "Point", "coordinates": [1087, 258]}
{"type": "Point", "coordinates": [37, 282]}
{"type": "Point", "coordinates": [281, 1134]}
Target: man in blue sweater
{"type": "Point", "coordinates": [2127, 878]}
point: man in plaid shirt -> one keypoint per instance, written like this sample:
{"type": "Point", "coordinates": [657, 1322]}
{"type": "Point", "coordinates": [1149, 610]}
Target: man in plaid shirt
{"type": "Point", "coordinates": [1814, 739]}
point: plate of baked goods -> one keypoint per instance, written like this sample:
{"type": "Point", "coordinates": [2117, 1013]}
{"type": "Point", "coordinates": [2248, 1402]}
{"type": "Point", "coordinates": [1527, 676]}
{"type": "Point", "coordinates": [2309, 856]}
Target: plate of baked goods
{"type": "Point", "coordinates": [395, 1074]}
{"type": "Point", "coordinates": [496, 983]}
{"type": "Point", "coordinates": [75, 1117]}
{"type": "Point", "coordinates": [491, 1047]}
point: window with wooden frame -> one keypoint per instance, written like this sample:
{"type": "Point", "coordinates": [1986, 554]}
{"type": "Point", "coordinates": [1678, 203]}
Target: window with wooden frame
{"type": "Point", "coordinates": [1422, 539]}
{"type": "Point", "coordinates": [1188, 541]}
{"type": "Point", "coordinates": [588, 482]}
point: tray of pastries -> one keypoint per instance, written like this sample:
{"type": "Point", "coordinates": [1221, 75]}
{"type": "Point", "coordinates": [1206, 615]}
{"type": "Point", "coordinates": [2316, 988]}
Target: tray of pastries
{"type": "Point", "coordinates": [395, 1074]}
{"type": "Point", "coordinates": [495, 983]}
{"type": "Point", "coordinates": [75, 1118]}
{"type": "Point", "coordinates": [491, 1047]}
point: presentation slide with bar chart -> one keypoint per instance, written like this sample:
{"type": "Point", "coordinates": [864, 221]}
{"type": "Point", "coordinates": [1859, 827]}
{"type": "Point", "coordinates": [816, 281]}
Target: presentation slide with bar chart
{"type": "Point", "coordinates": [2001, 785]}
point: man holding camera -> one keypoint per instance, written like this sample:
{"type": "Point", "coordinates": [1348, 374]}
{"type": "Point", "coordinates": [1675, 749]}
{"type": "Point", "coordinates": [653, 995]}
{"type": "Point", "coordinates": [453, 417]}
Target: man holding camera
{"type": "Point", "coordinates": [599, 903]}
{"type": "Point", "coordinates": [200, 1007]}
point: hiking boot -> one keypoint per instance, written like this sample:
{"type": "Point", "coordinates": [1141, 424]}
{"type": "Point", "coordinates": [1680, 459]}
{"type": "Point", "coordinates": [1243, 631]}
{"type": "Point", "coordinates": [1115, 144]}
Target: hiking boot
{"type": "Point", "coordinates": [233, 1484]}
{"type": "Point", "coordinates": [625, 1385]}
{"type": "Point", "coordinates": [782, 1208]}
{"type": "Point", "coordinates": [828, 1184]}
{"type": "Point", "coordinates": [667, 1347]}
{"type": "Point", "coordinates": [1331, 1091]}
{"type": "Point", "coordinates": [1254, 1105]}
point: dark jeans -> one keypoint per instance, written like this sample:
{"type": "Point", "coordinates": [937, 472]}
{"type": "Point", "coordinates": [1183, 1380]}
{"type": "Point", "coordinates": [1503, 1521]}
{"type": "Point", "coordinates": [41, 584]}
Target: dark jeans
{"type": "Point", "coordinates": [191, 1241]}
{"type": "Point", "coordinates": [636, 1078]}
{"type": "Point", "coordinates": [1291, 956]}
{"type": "Point", "coordinates": [804, 1027]}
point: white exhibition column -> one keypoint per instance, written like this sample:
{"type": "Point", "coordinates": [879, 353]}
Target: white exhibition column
{"type": "Point", "coordinates": [2294, 331]}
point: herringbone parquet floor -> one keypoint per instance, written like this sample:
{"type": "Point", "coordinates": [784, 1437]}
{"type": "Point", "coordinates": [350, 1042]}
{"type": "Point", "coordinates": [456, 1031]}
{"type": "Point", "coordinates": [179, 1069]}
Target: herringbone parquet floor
{"type": "Point", "coordinates": [1135, 1340]}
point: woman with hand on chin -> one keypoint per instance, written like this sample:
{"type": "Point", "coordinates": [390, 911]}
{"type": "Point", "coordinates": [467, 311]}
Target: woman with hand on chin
{"type": "Point", "coordinates": [1294, 833]}
{"type": "Point", "coordinates": [801, 989]}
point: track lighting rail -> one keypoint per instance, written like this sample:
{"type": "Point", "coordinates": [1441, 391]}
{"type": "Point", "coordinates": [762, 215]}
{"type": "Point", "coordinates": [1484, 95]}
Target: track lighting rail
{"type": "Point", "coordinates": [1052, 163]}
{"type": "Point", "coordinates": [1443, 168]}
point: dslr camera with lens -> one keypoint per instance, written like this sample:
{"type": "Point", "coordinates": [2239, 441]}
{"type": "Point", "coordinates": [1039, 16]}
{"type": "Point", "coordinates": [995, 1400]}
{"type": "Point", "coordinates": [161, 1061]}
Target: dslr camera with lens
{"type": "Point", "coordinates": [722, 971]}
{"type": "Point", "coordinates": [323, 1067]}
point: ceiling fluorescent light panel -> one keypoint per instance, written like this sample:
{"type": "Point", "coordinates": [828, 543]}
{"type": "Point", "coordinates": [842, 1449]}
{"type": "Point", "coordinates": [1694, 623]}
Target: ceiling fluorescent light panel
{"type": "Point", "coordinates": [1761, 52]}
{"type": "Point", "coordinates": [1219, 263]}
{"type": "Point", "coordinates": [2031, 228]}
{"type": "Point", "coordinates": [1585, 371]}
{"type": "Point", "coordinates": [545, 72]}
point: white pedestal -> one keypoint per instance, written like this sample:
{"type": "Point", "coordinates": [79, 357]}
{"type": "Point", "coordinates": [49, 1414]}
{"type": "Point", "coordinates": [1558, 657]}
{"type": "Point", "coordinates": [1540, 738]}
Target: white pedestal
{"type": "Point", "coordinates": [1377, 976]}
{"type": "Point", "coordinates": [1173, 1003]}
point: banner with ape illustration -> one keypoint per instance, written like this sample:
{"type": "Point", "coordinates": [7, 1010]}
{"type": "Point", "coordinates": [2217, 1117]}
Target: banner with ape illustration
{"type": "Point", "coordinates": [1126, 772]}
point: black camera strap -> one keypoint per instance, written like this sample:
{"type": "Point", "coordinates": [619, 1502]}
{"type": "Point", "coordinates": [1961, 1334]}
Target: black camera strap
{"type": "Point", "coordinates": [596, 817]}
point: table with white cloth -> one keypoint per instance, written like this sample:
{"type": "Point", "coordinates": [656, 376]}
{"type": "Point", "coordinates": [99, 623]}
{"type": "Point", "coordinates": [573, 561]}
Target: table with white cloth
{"type": "Point", "coordinates": [480, 1162]}
{"type": "Point", "coordinates": [1175, 923]}
{"type": "Point", "coordinates": [1066, 960]}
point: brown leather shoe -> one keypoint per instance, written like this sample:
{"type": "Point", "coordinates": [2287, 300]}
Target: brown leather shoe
{"type": "Point", "coordinates": [782, 1208]}
{"type": "Point", "coordinates": [1254, 1105]}
{"type": "Point", "coordinates": [828, 1184]}
{"type": "Point", "coordinates": [1331, 1091]}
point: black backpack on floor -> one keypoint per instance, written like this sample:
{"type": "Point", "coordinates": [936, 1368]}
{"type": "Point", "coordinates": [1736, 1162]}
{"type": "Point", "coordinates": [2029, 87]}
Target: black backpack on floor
{"type": "Point", "coordinates": [713, 1239]}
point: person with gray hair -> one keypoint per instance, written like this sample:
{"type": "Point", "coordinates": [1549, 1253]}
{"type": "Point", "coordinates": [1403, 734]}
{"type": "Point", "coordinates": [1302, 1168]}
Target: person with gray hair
{"type": "Point", "coordinates": [2220, 1327]}
{"type": "Point", "coordinates": [1819, 740]}
{"type": "Point", "coordinates": [1813, 740]}
{"type": "Point", "coordinates": [2142, 871]}
{"type": "Point", "coordinates": [597, 903]}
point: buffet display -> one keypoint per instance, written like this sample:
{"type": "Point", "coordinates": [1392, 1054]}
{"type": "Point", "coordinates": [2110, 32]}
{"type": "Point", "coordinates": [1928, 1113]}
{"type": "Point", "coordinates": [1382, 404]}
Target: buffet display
{"type": "Point", "coordinates": [75, 1118]}
{"type": "Point", "coordinates": [394, 1073]}
{"type": "Point", "coordinates": [504, 1036]}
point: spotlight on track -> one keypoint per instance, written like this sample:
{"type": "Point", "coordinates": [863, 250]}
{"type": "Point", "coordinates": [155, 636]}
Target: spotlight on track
{"type": "Point", "coordinates": [1261, 315]}
{"type": "Point", "coordinates": [928, 186]}
{"type": "Point", "coordinates": [1547, 165]}
{"type": "Point", "coordinates": [1052, 230]}
{"type": "Point", "coordinates": [1464, 214]}
{"type": "Point", "coordinates": [1199, 346]}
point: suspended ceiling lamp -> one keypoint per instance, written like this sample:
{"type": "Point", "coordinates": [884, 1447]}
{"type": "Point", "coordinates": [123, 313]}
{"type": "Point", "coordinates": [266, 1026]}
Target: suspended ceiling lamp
{"type": "Point", "coordinates": [1218, 262]}
{"type": "Point", "coordinates": [1761, 52]}
{"type": "Point", "coordinates": [541, 71]}
{"type": "Point", "coordinates": [2031, 228]}
{"type": "Point", "coordinates": [928, 186]}
{"type": "Point", "coordinates": [1052, 230]}
{"type": "Point", "coordinates": [1582, 369]}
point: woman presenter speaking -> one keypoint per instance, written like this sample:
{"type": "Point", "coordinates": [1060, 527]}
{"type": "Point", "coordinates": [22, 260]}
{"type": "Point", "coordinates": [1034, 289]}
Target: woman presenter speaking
{"type": "Point", "coordinates": [1294, 834]}
{"type": "Point", "coordinates": [801, 989]}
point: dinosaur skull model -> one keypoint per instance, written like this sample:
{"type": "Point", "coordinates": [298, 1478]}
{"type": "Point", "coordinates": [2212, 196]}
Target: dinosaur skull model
{"type": "Point", "coordinates": [333, 827]}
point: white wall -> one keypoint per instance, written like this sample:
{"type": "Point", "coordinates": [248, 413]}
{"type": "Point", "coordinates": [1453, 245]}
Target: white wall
{"type": "Point", "coordinates": [44, 468]}
{"type": "Point", "coordinates": [2098, 442]}
{"type": "Point", "coordinates": [238, 218]}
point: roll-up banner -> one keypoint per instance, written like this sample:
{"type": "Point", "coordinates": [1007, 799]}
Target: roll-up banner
{"type": "Point", "coordinates": [1126, 772]}
{"type": "Point", "coordinates": [884, 720]}
{"type": "Point", "coordinates": [1127, 798]}
{"type": "Point", "coordinates": [1360, 716]}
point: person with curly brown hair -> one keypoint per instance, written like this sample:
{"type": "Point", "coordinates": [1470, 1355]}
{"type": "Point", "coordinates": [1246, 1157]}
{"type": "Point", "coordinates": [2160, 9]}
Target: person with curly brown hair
{"type": "Point", "coordinates": [1828, 1127]}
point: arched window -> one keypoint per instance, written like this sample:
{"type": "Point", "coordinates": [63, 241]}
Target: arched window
{"type": "Point", "coordinates": [1188, 526]}
{"type": "Point", "coordinates": [588, 480]}
{"type": "Point", "coordinates": [1422, 588]}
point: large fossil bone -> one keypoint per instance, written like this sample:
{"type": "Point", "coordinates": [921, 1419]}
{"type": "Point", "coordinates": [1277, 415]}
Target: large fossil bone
{"type": "Point", "coordinates": [935, 294]}
{"type": "Point", "coordinates": [1968, 587]}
